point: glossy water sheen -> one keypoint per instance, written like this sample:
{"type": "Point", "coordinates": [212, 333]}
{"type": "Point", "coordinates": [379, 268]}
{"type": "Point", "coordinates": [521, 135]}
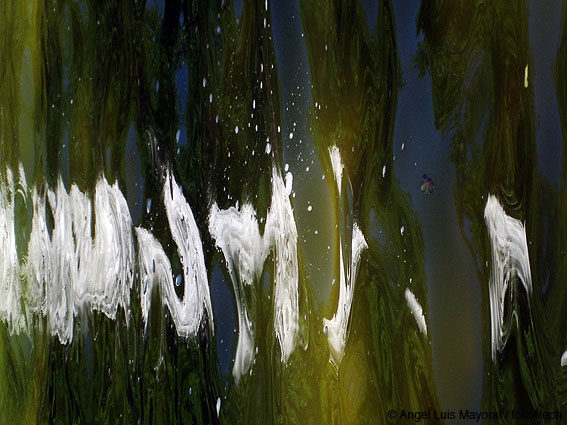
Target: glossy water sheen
{"type": "Point", "coordinates": [269, 212]}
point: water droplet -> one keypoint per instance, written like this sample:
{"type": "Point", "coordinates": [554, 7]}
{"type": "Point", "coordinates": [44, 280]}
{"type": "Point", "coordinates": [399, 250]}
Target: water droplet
{"type": "Point", "coordinates": [309, 208]}
{"type": "Point", "coordinates": [218, 406]}
{"type": "Point", "coordinates": [326, 330]}
{"type": "Point", "coordinates": [236, 129]}
{"type": "Point", "coordinates": [288, 183]}
{"type": "Point", "coordinates": [178, 280]}
{"type": "Point", "coordinates": [402, 229]}
{"type": "Point", "coordinates": [148, 205]}
{"type": "Point", "coordinates": [290, 136]}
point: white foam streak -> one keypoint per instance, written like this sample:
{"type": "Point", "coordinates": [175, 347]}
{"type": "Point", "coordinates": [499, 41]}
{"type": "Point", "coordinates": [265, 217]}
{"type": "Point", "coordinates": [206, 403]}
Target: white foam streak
{"type": "Point", "coordinates": [237, 235]}
{"type": "Point", "coordinates": [337, 327]}
{"type": "Point", "coordinates": [59, 304]}
{"type": "Point", "coordinates": [510, 259]}
{"type": "Point", "coordinates": [38, 263]}
{"type": "Point", "coordinates": [112, 258]}
{"type": "Point", "coordinates": [9, 266]}
{"type": "Point", "coordinates": [70, 270]}
{"type": "Point", "coordinates": [82, 219]}
{"type": "Point", "coordinates": [187, 313]}
{"type": "Point", "coordinates": [155, 269]}
{"type": "Point", "coordinates": [337, 164]}
{"type": "Point", "coordinates": [416, 310]}
{"type": "Point", "coordinates": [281, 232]}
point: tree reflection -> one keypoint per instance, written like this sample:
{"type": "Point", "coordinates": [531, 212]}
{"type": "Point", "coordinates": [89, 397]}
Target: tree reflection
{"type": "Point", "coordinates": [479, 60]}
{"type": "Point", "coordinates": [356, 78]}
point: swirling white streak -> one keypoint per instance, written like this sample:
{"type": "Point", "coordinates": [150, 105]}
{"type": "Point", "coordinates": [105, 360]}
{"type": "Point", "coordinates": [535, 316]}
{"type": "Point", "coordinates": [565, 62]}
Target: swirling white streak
{"type": "Point", "coordinates": [187, 313]}
{"type": "Point", "coordinates": [155, 269]}
{"type": "Point", "coordinates": [237, 235]}
{"type": "Point", "coordinates": [416, 310]}
{"type": "Point", "coordinates": [281, 233]}
{"type": "Point", "coordinates": [510, 259]}
{"type": "Point", "coordinates": [69, 270]}
{"type": "Point", "coordinates": [337, 164]}
{"type": "Point", "coordinates": [337, 327]}
{"type": "Point", "coordinates": [9, 266]}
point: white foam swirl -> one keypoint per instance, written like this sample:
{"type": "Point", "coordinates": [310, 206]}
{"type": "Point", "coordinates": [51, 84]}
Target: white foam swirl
{"type": "Point", "coordinates": [281, 233]}
{"type": "Point", "coordinates": [155, 269]}
{"type": "Point", "coordinates": [416, 310]}
{"type": "Point", "coordinates": [337, 164]}
{"type": "Point", "coordinates": [237, 234]}
{"type": "Point", "coordinates": [337, 327]}
{"type": "Point", "coordinates": [9, 266]}
{"type": "Point", "coordinates": [510, 260]}
{"type": "Point", "coordinates": [187, 313]}
{"type": "Point", "coordinates": [69, 270]}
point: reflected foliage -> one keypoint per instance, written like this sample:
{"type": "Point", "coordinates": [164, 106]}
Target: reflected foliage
{"type": "Point", "coordinates": [478, 58]}
{"type": "Point", "coordinates": [356, 77]}
{"type": "Point", "coordinates": [136, 88]}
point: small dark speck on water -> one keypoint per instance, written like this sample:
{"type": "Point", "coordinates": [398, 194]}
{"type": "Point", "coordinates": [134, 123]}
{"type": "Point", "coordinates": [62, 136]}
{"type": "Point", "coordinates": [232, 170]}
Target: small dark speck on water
{"type": "Point", "coordinates": [427, 185]}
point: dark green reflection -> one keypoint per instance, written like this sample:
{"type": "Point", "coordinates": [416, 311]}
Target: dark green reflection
{"type": "Point", "coordinates": [478, 57]}
{"type": "Point", "coordinates": [129, 90]}
{"type": "Point", "coordinates": [356, 77]}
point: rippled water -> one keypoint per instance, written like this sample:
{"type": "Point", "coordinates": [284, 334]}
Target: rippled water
{"type": "Point", "coordinates": [265, 211]}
